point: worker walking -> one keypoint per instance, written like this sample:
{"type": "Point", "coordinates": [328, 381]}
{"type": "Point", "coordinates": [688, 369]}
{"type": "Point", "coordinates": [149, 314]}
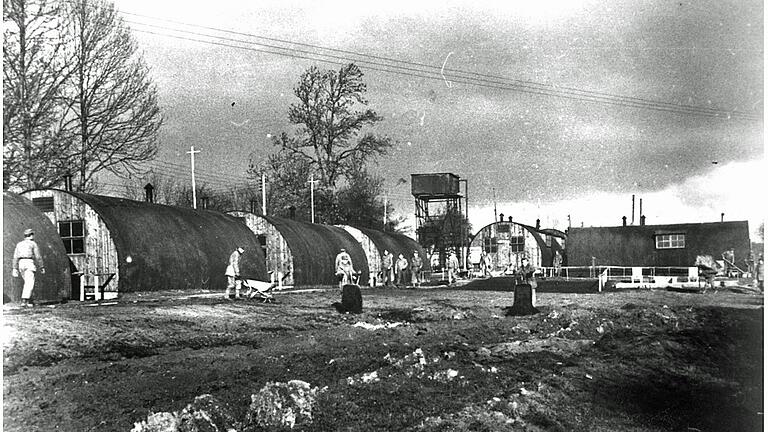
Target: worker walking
{"type": "Point", "coordinates": [344, 268]}
{"type": "Point", "coordinates": [416, 266]}
{"type": "Point", "coordinates": [26, 259]}
{"type": "Point", "coordinates": [233, 273]}
{"type": "Point", "coordinates": [386, 267]}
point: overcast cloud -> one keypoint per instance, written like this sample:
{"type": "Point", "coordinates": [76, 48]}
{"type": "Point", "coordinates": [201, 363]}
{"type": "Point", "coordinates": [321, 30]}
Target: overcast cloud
{"type": "Point", "coordinates": [536, 152]}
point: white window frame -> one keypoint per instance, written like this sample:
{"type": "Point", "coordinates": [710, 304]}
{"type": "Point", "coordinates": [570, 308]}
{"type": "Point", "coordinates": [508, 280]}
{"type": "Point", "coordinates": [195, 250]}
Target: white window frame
{"type": "Point", "coordinates": [670, 241]}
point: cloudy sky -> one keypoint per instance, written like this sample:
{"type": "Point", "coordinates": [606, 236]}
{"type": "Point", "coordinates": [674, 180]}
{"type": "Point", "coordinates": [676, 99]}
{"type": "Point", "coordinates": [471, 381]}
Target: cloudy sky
{"type": "Point", "coordinates": [554, 108]}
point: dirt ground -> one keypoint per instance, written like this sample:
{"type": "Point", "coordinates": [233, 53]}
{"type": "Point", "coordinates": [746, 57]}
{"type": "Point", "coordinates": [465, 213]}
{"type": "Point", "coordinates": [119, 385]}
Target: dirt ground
{"type": "Point", "coordinates": [432, 359]}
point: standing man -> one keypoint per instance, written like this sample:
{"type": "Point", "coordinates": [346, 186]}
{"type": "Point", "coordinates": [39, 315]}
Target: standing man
{"type": "Point", "coordinates": [416, 265]}
{"type": "Point", "coordinates": [344, 268]}
{"type": "Point", "coordinates": [453, 266]}
{"type": "Point", "coordinates": [488, 264]}
{"type": "Point", "coordinates": [557, 262]}
{"type": "Point", "coordinates": [759, 272]}
{"type": "Point", "coordinates": [525, 275]}
{"type": "Point", "coordinates": [233, 273]}
{"type": "Point", "coordinates": [483, 265]}
{"type": "Point", "coordinates": [26, 258]}
{"type": "Point", "coordinates": [386, 267]}
{"type": "Point", "coordinates": [401, 265]}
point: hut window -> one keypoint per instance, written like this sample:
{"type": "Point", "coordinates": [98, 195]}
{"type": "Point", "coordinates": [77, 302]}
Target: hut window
{"type": "Point", "coordinates": [490, 245]}
{"type": "Point", "coordinates": [73, 236]}
{"type": "Point", "coordinates": [548, 240]}
{"type": "Point", "coordinates": [517, 243]}
{"type": "Point", "coordinates": [670, 241]}
{"type": "Point", "coordinates": [44, 204]}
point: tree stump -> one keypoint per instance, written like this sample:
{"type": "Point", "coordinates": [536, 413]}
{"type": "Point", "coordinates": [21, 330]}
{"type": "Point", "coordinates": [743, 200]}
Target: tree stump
{"type": "Point", "coordinates": [351, 300]}
{"type": "Point", "coordinates": [523, 304]}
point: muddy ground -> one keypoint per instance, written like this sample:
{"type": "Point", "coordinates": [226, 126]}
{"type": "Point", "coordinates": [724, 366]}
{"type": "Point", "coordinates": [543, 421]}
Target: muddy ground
{"type": "Point", "coordinates": [614, 361]}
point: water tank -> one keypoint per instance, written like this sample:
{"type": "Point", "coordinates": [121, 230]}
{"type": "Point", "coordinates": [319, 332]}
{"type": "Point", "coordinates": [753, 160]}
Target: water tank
{"type": "Point", "coordinates": [437, 184]}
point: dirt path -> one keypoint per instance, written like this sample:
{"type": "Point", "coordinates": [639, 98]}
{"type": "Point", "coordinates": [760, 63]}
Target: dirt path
{"type": "Point", "coordinates": [414, 360]}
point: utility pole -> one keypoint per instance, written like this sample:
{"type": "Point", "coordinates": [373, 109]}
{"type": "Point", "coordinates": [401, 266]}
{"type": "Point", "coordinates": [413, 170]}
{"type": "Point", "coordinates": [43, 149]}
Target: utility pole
{"type": "Point", "coordinates": [495, 216]}
{"type": "Point", "coordinates": [263, 194]}
{"type": "Point", "coordinates": [191, 154]}
{"type": "Point", "coordinates": [385, 211]}
{"type": "Point", "coordinates": [312, 195]}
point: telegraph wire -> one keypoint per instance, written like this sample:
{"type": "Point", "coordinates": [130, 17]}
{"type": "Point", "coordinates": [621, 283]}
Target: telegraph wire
{"type": "Point", "coordinates": [461, 80]}
{"type": "Point", "coordinates": [517, 85]}
{"type": "Point", "coordinates": [523, 86]}
{"type": "Point", "coordinates": [541, 86]}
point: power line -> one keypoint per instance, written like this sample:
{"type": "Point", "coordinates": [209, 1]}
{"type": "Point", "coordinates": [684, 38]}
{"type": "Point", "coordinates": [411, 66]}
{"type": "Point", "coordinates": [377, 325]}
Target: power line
{"type": "Point", "coordinates": [539, 85]}
{"type": "Point", "coordinates": [483, 80]}
{"type": "Point", "coordinates": [492, 82]}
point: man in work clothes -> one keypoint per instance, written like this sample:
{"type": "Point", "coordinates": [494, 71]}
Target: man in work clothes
{"type": "Point", "coordinates": [386, 267]}
{"type": "Point", "coordinates": [453, 266]}
{"type": "Point", "coordinates": [401, 265]}
{"type": "Point", "coordinates": [26, 258]}
{"type": "Point", "coordinates": [344, 268]}
{"type": "Point", "coordinates": [233, 273]}
{"type": "Point", "coordinates": [525, 275]}
{"type": "Point", "coordinates": [416, 266]}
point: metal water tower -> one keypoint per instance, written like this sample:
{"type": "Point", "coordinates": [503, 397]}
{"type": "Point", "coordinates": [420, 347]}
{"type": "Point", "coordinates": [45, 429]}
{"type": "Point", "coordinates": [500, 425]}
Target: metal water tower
{"type": "Point", "coordinates": [440, 213]}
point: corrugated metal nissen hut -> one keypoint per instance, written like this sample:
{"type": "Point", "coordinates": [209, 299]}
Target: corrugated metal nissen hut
{"type": "Point", "coordinates": [375, 242]}
{"type": "Point", "coordinates": [55, 285]}
{"type": "Point", "coordinates": [141, 246]}
{"type": "Point", "coordinates": [507, 242]}
{"type": "Point", "coordinates": [675, 245]}
{"type": "Point", "coordinates": [300, 253]}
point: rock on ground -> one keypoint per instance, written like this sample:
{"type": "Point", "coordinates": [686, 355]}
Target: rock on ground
{"type": "Point", "coordinates": [283, 405]}
{"type": "Point", "coordinates": [204, 414]}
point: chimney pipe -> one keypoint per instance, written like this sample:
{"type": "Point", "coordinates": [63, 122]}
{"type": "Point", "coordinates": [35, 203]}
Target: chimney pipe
{"type": "Point", "coordinates": [509, 218]}
{"type": "Point", "coordinates": [204, 202]}
{"type": "Point", "coordinates": [640, 213]}
{"type": "Point", "coordinates": [633, 209]}
{"type": "Point", "coordinates": [253, 206]}
{"type": "Point", "coordinates": [722, 217]}
{"type": "Point", "coordinates": [501, 217]}
{"type": "Point", "coordinates": [623, 221]}
{"type": "Point", "coordinates": [68, 182]}
{"type": "Point", "coordinates": [538, 223]}
{"type": "Point", "coordinates": [149, 193]}
{"type": "Point", "coordinates": [642, 220]}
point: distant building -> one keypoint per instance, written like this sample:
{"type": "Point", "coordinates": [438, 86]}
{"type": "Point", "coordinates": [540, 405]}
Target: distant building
{"type": "Point", "coordinates": [675, 245]}
{"type": "Point", "coordinates": [508, 242]}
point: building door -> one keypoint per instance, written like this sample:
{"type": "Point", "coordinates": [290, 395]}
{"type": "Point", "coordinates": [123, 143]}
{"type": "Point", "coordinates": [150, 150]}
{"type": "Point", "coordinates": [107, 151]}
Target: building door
{"type": "Point", "coordinates": [75, 278]}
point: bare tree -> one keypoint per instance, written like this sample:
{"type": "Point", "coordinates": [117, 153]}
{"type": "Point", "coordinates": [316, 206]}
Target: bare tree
{"type": "Point", "coordinates": [330, 121]}
{"type": "Point", "coordinates": [112, 103]}
{"type": "Point", "coordinates": [34, 73]}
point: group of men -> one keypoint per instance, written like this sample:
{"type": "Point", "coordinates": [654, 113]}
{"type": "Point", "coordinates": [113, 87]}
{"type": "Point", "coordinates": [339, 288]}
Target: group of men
{"type": "Point", "coordinates": [394, 272]}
